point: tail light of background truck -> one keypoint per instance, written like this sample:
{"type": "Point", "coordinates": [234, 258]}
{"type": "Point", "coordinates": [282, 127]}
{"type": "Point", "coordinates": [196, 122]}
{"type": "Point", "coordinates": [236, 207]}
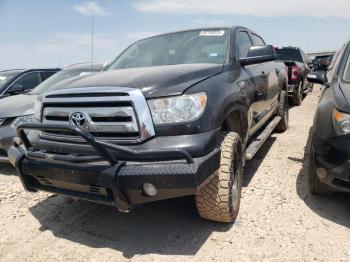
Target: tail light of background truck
{"type": "Point", "coordinates": [295, 72]}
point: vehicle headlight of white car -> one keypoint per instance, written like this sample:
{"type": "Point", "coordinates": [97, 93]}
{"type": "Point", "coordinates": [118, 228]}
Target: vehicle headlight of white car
{"type": "Point", "coordinates": [2, 120]}
{"type": "Point", "coordinates": [22, 119]}
{"type": "Point", "coordinates": [341, 122]}
{"type": "Point", "coordinates": [37, 109]}
{"type": "Point", "coordinates": [177, 109]}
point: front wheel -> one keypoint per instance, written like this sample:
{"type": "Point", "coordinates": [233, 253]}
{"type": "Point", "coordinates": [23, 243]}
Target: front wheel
{"type": "Point", "coordinates": [298, 95]}
{"type": "Point", "coordinates": [314, 184]}
{"type": "Point", "coordinates": [219, 199]}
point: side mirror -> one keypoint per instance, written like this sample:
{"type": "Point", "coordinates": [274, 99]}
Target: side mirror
{"type": "Point", "coordinates": [106, 65]}
{"type": "Point", "coordinates": [16, 89]}
{"type": "Point", "coordinates": [319, 77]}
{"type": "Point", "coordinates": [259, 54]}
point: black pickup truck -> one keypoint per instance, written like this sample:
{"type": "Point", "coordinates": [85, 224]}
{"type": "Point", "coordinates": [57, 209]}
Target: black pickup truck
{"type": "Point", "coordinates": [297, 63]}
{"type": "Point", "coordinates": [174, 115]}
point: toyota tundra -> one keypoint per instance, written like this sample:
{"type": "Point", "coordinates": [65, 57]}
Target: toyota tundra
{"type": "Point", "coordinates": [174, 115]}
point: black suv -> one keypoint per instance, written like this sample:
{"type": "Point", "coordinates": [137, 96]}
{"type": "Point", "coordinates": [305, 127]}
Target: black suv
{"type": "Point", "coordinates": [18, 81]}
{"type": "Point", "coordinates": [330, 150]}
{"type": "Point", "coordinates": [174, 115]}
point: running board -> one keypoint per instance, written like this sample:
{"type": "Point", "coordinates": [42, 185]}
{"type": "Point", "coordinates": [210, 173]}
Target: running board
{"type": "Point", "coordinates": [306, 91]}
{"type": "Point", "coordinates": [4, 159]}
{"type": "Point", "coordinates": [261, 138]}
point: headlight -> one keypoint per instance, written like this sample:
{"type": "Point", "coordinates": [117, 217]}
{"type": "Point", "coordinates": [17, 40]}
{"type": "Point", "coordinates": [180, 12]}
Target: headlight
{"type": "Point", "coordinates": [22, 119]}
{"type": "Point", "coordinates": [37, 109]}
{"type": "Point", "coordinates": [2, 121]}
{"type": "Point", "coordinates": [177, 109]}
{"type": "Point", "coordinates": [341, 122]}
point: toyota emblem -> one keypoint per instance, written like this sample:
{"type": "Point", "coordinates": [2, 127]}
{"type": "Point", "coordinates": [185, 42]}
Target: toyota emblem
{"type": "Point", "coordinates": [79, 119]}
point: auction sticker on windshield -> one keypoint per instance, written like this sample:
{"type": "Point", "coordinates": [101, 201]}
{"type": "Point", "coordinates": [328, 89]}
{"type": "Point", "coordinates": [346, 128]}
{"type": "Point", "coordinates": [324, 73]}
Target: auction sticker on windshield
{"type": "Point", "coordinates": [212, 33]}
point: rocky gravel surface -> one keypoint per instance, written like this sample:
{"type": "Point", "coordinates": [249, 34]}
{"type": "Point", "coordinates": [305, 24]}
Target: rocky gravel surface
{"type": "Point", "coordinates": [279, 219]}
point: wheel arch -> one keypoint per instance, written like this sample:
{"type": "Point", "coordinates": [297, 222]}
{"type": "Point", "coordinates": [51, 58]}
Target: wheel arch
{"type": "Point", "coordinates": [236, 121]}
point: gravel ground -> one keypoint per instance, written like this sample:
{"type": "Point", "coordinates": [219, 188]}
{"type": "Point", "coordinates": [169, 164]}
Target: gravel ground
{"type": "Point", "coordinates": [279, 219]}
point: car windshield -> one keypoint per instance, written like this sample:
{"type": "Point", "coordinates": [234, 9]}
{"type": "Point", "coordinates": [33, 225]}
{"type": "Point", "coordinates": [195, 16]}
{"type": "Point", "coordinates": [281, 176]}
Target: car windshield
{"type": "Point", "coordinates": [7, 76]}
{"type": "Point", "coordinates": [346, 76]}
{"type": "Point", "coordinates": [288, 54]}
{"type": "Point", "coordinates": [61, 75]}
{"type": "Point", "coordinates": [188, 47]}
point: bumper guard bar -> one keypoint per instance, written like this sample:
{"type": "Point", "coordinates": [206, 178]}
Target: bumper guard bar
{"type": "Point", "coordinates": [106, 151]}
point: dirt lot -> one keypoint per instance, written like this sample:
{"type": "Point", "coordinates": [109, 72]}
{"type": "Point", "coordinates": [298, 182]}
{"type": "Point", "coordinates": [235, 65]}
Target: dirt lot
{"type": "Point", "coordinates": [279, 220]}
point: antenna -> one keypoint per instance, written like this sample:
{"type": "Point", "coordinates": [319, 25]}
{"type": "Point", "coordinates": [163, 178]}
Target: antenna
{"type": "Point", "coordinates": [92, 42]}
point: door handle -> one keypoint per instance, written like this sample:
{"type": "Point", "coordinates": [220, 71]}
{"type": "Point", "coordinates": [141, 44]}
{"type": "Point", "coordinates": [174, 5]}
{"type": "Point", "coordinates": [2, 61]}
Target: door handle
{"type": "Point", "coordinates": [263, 74]}
{"type": "Point", "coordinates": [277, 71]}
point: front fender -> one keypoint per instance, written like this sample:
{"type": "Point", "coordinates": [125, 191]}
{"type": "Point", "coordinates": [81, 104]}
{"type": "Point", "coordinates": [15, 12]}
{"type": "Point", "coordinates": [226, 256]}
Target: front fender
{"type": "Point", "coordinates": [224, 96]}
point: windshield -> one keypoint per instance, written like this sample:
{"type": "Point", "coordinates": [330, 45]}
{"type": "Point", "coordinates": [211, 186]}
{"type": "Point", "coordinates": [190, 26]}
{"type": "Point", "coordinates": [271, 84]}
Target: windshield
{"type": "Point", "coordinates": [7, 76]}
{"type": "Point", "coordinates": [346, 76]}
{"type": "Point", "coordinates": [188, 47]}
{"type": "Point", "coordinates": [61, 75]}
{"type": "Point", "coordinates": [287, 54]}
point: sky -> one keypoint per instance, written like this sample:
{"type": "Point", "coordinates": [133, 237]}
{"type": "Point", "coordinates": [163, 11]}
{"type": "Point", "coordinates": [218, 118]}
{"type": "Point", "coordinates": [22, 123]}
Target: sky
{"type": "Point", "coordinates": [57, 33]}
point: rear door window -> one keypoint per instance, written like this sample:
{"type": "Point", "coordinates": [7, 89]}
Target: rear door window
{"type": "Point", "coordinates": [257, 40]}
{"type": "Point", "coordinates": [45, 75]}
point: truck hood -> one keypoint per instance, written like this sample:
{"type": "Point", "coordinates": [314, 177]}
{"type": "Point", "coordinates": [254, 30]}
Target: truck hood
{"type": "Point", "coordinates": [18, 105]}
{"type": "Point", "coordinates": [156, 81]}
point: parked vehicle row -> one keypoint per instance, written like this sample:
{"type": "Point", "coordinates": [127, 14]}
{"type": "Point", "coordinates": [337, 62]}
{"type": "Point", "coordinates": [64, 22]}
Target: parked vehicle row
{"type": "Point", "coordinates": [173, 115]}
{"type": "Point", "coordinates": [297, 63]}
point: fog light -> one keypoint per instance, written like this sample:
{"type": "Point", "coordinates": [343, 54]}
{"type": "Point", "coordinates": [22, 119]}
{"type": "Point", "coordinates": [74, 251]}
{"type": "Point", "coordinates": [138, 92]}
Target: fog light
{"type": "Point", "coordinates": [345, 126]}
{"type": "Point", "coordinates": [149, 189]}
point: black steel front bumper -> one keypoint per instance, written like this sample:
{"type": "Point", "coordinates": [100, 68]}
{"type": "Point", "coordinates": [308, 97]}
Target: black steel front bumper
{"type": "Point", "coordinates": [103, 178]}
{"type": "Point", "coordinates": [332, 160]}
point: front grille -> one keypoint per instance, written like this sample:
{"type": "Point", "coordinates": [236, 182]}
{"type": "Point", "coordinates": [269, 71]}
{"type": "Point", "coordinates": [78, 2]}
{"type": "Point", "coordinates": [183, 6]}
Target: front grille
{"type": "Point", "coordinates": [98, 134]}
{"type": "Point", "coordinates": [109, 114]}
{"type": "Point", "coordinates": [104, 122]}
